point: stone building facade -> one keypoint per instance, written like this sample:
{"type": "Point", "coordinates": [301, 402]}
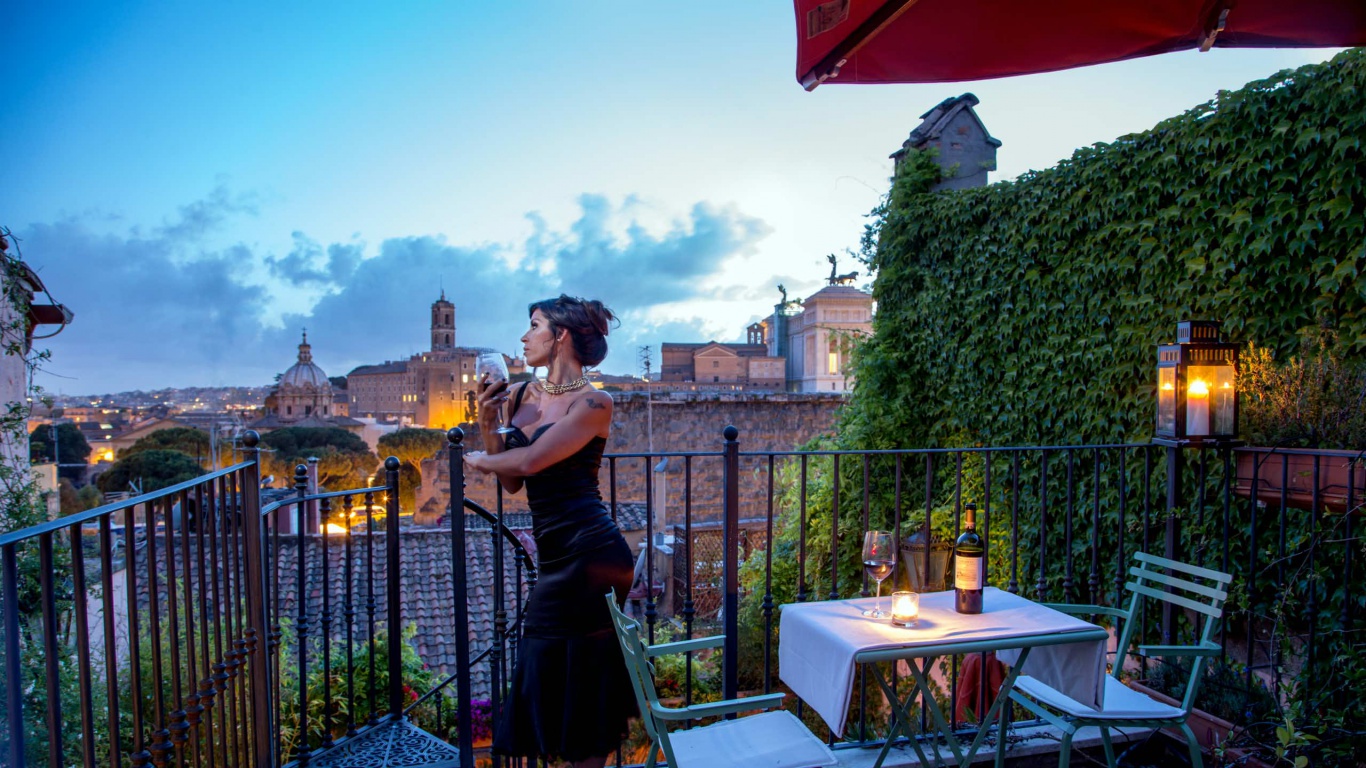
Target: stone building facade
{"type": "Point", "coordinates": [804, 346]}
{"type": "Point", "coordinates": [303, 397]}
{"type": "Point", "coordinates": [680, 422]}
{"type": "Point", "coordinates": [814, 338]}
{"type": "Point", "coordinates": [433, 389]}
{"type": "Point", "coordinates": [20, 318]}
{"type": "Point", "coordinates": [748, 365]}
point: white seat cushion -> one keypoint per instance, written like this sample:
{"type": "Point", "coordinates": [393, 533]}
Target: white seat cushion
{"type": "Point", "coordinates": [773, 739]}
{"type": "Point", "coordinates": [1121, 701]}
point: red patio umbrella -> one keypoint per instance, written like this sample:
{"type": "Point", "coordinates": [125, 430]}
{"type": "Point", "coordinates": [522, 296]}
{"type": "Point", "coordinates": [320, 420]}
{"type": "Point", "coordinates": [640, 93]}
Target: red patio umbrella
{"type": "Point", "coordinates": [934, 41]}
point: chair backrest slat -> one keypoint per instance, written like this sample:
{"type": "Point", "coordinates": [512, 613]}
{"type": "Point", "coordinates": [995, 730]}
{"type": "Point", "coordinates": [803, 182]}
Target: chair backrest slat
{"type": "Point", "coordinates": [1176, 565]}
{"type": "Point", "coordinates": [1178, 583]}
{"type": "Point", "coordinates": [1207, 599]}
{"type": "Point", "coordinates": [1184, 602]}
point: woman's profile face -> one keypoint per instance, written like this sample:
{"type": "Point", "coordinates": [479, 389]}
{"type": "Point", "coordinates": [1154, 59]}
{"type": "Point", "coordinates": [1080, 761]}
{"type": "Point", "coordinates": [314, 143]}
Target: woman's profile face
{"type": "Point", "coordinates": [538, 341]}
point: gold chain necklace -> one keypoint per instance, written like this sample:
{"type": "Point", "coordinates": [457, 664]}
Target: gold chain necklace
{"type": "Point", "coordinates": [560, 389]}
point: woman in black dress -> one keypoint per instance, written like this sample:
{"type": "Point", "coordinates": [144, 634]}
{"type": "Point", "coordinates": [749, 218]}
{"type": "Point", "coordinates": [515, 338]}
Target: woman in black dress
{"type": "Point", "coordinates": [570, 696]}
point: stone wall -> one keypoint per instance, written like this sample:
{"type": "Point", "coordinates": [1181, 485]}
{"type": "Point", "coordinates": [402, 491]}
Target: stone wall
{"type": "Point", "coordinates": [13, 375]}
{"type": "Point", "coordinates": [683, 422]}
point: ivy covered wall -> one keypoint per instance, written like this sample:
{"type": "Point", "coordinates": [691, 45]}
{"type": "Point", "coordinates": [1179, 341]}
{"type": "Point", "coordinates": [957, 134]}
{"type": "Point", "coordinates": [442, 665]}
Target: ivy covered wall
{"type": "Point", "coordinates": [1027, 312]}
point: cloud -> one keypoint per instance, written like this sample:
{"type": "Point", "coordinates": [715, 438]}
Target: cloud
{"type": "Point", "coordinates": [163, 310]}
{"type": "Point", "coordinates": [203, 216]}
{"type": "Point", "coordinates": [145, 308]}
{"type": "Point", "coordinates": [605, 253]}
{"type": "Point", "coordinates": [641, 268]}
{"type": "Point", "coordinates": [308, 264]}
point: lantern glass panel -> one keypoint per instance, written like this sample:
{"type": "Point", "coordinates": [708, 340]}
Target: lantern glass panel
{"type": "Point", "coordinates": [1222, 397]}
{"type": "Point", "coordinates": [1204, 398]}
{"type": "Point", "coordinates": [1166, 401]}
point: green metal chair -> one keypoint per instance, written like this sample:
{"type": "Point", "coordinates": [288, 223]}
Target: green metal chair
{"type": "Point", "coordinates": [1194, 589]}
{"type": "Point", "coordinates": [773, 739]}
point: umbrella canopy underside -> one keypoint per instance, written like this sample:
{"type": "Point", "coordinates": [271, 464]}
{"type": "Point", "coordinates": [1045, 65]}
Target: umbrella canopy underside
{"type": "Point", "coordinates": [930, 41]}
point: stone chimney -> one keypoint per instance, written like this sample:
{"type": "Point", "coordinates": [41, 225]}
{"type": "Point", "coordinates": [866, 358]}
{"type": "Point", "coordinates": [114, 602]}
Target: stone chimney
{"type": "Point", "coordinates": [966, 151]}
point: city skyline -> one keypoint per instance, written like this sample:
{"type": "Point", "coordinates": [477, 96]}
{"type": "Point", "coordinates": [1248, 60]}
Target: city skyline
{"type": "Point", "coordinates": [198, 184]}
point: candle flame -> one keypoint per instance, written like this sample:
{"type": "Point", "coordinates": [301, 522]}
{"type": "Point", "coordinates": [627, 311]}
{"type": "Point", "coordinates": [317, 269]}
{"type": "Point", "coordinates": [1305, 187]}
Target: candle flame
{"type": "Point", "coordinates": [1198, 387]}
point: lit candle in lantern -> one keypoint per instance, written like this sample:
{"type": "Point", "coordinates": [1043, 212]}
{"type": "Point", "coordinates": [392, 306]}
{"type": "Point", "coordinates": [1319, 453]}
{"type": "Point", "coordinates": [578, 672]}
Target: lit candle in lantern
{"type": "Point", "coordinates": [1197, 408]}
{"type": "Point", "coordinates": [905, 608]}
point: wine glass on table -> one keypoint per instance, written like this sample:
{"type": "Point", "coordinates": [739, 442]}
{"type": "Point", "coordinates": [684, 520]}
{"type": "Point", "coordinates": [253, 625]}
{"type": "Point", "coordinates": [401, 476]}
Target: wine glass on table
{"type": "Point", "coordinates": [878, 561]}
{"type": "Point", "coordinates": [491, 363]}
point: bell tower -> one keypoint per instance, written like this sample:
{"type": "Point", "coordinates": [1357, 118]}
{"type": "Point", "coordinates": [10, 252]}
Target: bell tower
{"type": "Point", "coordinates": [443, 324]}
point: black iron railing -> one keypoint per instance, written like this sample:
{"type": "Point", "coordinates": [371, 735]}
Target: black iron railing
{"type": "Point", "coordinates": [226, 632]}
{"type": "Point", "coordinates": [1061, 524]}
{"type": "Point", "coordinates": [347, 598]}
{"type": "Point", "coordinates": [196, 626]}
{"type": "Point", "coordinates": [166, 665]}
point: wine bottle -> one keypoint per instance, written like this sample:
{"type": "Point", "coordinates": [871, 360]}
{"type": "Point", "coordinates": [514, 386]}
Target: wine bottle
{"type": "Point", "coordinates": [969, 566]}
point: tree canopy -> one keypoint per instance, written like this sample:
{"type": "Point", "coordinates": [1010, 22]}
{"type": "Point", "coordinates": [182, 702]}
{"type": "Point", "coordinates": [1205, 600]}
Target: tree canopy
{"type": "Point", "coordinates": [72, 447]}
{"type": "Point", "coordinates": [152, 469]}
{"type": "Point", "coordinates": [412, 444]}
{"type": "Point", "coordinates": [409, 478]}
{"type": "Point", "coordinates": [343, 458]}
{"type": "Point", "coordinates": [187, 440]}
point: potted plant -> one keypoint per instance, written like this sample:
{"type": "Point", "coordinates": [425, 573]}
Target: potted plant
{"type": "Point", "coordinates": [1306, 409]}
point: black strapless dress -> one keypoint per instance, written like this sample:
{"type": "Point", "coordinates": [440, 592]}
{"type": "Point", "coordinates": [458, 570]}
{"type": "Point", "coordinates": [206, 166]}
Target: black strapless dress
{"type": "Point", "coordinates": [570, 697]}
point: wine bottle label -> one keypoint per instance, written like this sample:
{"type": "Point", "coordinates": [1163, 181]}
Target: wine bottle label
{"type": "Point", "coordinates": [968, 572]}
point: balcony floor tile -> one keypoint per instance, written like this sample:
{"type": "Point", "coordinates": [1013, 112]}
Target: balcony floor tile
{"type": "Point", "coordinates": [390, 745]}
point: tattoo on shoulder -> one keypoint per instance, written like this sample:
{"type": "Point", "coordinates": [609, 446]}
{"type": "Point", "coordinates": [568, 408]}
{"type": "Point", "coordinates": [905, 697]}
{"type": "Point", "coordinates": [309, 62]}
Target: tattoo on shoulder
{"type": "Point", "coordinates": [594, 403]}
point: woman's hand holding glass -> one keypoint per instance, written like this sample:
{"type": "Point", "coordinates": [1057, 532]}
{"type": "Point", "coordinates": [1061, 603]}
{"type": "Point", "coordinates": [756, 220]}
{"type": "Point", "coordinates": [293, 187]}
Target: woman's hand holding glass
{"type": "Point", "coordinates": [493, 393]}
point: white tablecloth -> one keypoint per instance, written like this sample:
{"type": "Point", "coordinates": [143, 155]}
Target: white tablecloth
{"type": "Point", "coordinates": [817, 643]}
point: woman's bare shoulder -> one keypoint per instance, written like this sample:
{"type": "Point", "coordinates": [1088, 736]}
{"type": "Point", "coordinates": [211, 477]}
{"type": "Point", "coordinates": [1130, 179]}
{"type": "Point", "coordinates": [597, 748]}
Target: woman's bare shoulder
{"type": "Point", "coordinates": [594, 400]}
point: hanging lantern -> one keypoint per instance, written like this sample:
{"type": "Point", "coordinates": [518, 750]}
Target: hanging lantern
{"type": "Point", "coordinates": [1197, 398]}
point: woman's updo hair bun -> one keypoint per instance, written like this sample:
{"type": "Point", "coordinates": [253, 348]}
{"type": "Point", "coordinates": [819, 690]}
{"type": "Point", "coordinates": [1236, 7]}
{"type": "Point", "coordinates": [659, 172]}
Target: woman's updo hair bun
{"type": "Point", "coordinates": [586, 320]}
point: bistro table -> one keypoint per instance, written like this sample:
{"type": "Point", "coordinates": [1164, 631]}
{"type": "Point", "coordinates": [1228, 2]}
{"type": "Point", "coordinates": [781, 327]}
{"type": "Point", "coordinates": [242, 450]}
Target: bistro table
{"type": "Point", "coordinates": [821, 643]}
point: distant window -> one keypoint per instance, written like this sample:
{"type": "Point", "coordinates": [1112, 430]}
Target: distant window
{"type": "Point", "coordinates": [289, 410]}
{"type": "Point", "coordinates": [716, 363]}
{"type": "Point", "coordinates": [834, 366]}
{"type": "Point", "coordinates": [716, 378]}
{"type": "Point", "coordinates": [308, 410]}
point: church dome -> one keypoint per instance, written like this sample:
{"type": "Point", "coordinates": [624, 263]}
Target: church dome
{"type": "Point", "coordinates": [305, 374]}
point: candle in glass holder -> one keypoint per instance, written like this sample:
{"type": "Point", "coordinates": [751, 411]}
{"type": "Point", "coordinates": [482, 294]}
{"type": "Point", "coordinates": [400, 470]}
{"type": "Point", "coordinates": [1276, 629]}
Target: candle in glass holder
{"type": "Point", "coordinates": [905, 608]}
{"type": "Point", "coordinates": [1197, 408]}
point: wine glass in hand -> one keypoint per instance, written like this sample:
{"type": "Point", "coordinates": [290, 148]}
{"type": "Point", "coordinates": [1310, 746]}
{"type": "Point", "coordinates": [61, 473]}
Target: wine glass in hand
{"type": "Point", "coordinates": [491, 363]}
{"type": "Point", "coordinates": [878, 560]}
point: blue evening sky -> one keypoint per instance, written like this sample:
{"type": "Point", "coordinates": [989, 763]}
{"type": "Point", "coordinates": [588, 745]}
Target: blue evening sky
{"type": "Point", "coordinates": [199, 181]}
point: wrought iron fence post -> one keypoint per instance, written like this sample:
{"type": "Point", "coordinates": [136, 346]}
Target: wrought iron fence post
{"type": "Point", "coordinates": [14, 687]}
{"type": "Point", "coordinates": [1176, 465]}
{"type": "Point", "coordinates": [301, 750]}
{"type": "Point", "coordinates": [257, 608]}
{"type": "Point", "coordinates": [731, 542]}
{"type": "Point", "coordinates": [464, 713]}
{"type": "Point", "coordinates": [392, 587]}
